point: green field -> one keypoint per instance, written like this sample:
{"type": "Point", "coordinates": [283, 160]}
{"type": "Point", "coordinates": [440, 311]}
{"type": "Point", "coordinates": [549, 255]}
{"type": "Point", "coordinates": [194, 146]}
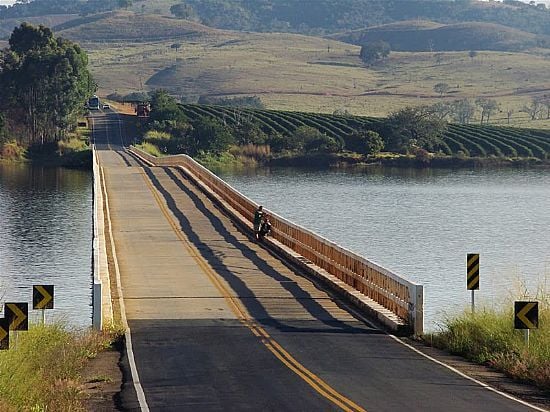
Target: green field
{"type": "Point", "coordinates": [299, 73]}
{"type": "Point", "coordinates": [459, 140]}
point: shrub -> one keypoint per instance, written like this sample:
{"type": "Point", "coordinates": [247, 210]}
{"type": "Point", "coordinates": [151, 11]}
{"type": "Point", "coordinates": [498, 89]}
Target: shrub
{"type": "Point", "coordinates": [43, 372]}
{"type": "Point", "coordinates": [488, 336]}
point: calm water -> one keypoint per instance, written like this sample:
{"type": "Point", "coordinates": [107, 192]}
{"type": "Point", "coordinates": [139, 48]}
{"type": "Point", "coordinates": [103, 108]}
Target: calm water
{"type": "Point", "coordinates": [422, 223]}
{"type": "Point", "coordinates": [45, 238]}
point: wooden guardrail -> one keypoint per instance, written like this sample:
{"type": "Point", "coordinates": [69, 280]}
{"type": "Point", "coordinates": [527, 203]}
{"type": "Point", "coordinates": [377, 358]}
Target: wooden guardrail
{"type": "Point", "coordinates": [402, 297]}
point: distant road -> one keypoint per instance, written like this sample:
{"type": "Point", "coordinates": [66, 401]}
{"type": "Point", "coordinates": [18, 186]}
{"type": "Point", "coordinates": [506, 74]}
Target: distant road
{"type": "Point", "coordinates": [220, 324]}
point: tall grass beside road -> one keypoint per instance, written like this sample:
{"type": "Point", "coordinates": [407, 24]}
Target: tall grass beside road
{"type": "Point", "coordinates": [42, 372]}
{"type": "Point", "coordinates": [488, 337]}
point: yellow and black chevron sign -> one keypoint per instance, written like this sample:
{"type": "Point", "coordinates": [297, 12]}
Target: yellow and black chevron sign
{"type": "Point", "coordinates": [526, 315]}
{"type": "Point", "coordinates": [472, 271]}
{"type": "Point", "coordinates": [4, 334]}
{"type": "Point", "coordinates": [42, 297]}
{"type": "Point", "coordinates": [17, 315]}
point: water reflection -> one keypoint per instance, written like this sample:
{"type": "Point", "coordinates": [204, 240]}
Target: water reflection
{"type": "Point", "coordinates": [45, 236]}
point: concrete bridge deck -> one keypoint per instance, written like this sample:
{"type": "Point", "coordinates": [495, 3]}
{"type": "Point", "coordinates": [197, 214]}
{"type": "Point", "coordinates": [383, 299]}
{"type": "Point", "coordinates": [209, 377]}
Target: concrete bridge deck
{"type": "Point", "coordinates": [218, 323]}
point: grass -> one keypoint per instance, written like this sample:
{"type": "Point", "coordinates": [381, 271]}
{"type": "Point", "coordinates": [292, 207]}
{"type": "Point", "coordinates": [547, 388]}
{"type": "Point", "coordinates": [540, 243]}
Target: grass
{"type": "Point", "coordinates": [296, 72]}
{"type": "Point", "coordinates": [489, 337]}
{"type": "Point", "coordinates": [150, 148]}
{"type": "Point", "coordinates": [42, 373]}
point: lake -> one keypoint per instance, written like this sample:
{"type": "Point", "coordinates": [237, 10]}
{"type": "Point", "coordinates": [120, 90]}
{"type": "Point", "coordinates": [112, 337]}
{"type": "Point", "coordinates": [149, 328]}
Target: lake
{"type": "Point", "coordinates": [421, 223]}
{"type": "Point", "coordinates": [46, 238]}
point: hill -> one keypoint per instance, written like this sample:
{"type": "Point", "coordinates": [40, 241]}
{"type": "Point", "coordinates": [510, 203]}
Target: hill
{"type": "Point", "coordinates": [332, 16]}
{"type": "Point", "coordinates": [431, 36]}
{"type": "Point", "coordinates": [296, 72]}
{"type": "Point", "coordinates": [7, 25]}
{"type": "Point", "coordinates": [297, 16]}
{"type": "Point", "coordinates": [127, 26]}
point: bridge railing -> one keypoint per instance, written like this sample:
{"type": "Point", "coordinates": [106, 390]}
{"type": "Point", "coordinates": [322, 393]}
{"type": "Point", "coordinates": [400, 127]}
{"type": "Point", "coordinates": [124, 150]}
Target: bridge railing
{"type": "Point", "coordinates": [102, 311]}
{"type": "Point", "coordinates": [400, 296]}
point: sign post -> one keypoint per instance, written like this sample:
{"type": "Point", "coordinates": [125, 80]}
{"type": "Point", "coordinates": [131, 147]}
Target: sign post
{"type": "Point", "coordinates": [472, 275]}
{"type": "Point", "coordinates": [526, 317]}
{"type": "Point", "coordinates": [42, 299]}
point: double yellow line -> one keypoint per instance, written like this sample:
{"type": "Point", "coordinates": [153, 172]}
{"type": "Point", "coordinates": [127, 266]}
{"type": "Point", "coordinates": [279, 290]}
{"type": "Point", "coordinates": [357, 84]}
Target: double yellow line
{"type": "Point", "coordinates": [280, 353]}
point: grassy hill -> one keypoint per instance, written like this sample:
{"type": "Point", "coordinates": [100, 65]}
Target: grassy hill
{"type": "Point", "coordinates": [296, 72]}
{"type": "Point", "coordinates": [7, 25]}
{"type": "Point", "coordinates": [127, 26]}
{"type": "Point", "coordinates": [431, 36]}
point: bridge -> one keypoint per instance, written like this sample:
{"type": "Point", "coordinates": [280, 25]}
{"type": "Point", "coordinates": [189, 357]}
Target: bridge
{"type": "Point", "coordinates": [216, 320]}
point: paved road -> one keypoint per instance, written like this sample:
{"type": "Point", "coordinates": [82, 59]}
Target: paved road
{"type": "Point", "coordinates": [219, 324]}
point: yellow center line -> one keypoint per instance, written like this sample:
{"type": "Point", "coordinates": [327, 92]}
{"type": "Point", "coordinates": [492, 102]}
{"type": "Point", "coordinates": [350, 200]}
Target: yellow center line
{"type": "Point", "coordinates": [280, 353]}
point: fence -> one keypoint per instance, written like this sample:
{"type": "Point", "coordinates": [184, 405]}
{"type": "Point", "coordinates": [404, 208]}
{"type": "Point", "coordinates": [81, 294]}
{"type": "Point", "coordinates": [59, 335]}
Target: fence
{"type": "Point", "coordinates": [403, 298]}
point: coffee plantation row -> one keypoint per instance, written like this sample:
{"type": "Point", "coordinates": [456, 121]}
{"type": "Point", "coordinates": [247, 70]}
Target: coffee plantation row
{"type": "Point", "coordinates": [458, 140]}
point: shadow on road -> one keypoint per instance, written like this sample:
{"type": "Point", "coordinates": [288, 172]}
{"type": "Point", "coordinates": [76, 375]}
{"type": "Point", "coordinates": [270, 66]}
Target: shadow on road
{"type": "Point", "coordinates": [246, 295]}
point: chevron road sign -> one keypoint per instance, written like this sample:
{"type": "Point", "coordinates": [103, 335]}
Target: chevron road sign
{"type": "Point", "coordinates": [526, 315]}
{"type": "Point", "coordinates": [42, 296]}
{"type": "Point", "coordinates": [17, 315]}
{"type": "Point", "coordinates": [4, 334]}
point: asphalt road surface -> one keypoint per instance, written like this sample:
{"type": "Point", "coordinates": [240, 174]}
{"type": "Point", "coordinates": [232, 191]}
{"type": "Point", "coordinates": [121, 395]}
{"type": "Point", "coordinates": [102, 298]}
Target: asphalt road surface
{"type": "Point", "coordinates": [218, 323]}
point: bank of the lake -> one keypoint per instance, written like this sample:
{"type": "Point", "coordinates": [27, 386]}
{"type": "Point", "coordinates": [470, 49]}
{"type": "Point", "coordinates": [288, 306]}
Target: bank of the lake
{"type": "Point", "coordinates": [47, 369]}
{"type": "Point", "coordinates": [346, 161]}
{"type": "Point", "coordinates": [488, 337]}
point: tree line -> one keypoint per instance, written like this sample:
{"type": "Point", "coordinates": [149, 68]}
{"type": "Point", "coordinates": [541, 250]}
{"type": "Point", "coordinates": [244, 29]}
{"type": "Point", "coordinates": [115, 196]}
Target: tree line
{"type": "Point", "coordinates": [405, 131]}
{"type": "Point", "coordinates": [44, 83]}
{"type": "Point", "coordinates": [28, 8]}
{"type": "Point", "coordinates": [332, 16]}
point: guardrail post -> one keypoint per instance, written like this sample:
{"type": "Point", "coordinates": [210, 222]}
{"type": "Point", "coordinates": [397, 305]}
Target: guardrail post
{"type": "Point", "coordinates": [96, 304]}
{"type": "Point", "coordinates": [418, 311]}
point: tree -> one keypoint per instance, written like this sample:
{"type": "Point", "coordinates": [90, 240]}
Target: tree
{"type": "Point", "coordinates": [509, 113]}
{"type": "Point", "coordinates": [248, 132]}
{"type": "Point", "coordinates": [545, 101]}
{"type": "Point", "coordinates": [124, 4]}
{"type": "Point", "coordinates": [44, 82]}
{"type": "Point", "coordinates": [441, 88]}
{"type": "Point", "coordinates": [176, 46]}
{"type": "Point", "coordinates": [374, 51]}
{"type": "Point", "coordinates": [488, 106]}
{"type": "Point", "coordinates": [165, 110]}
{"type": "Point", "coordinates": [413, 127]}
{"type": "Point", "coordinates": [533, 109]}
{"type": "Point", "coordinates": [472, 54]}
{"type": "Point", "coordinates": [463, 111]}
{"type": "Point", "coordinates": [182, 11]}
{"type": "Point", "coordinates": [441, 110]}
{"type": "Point", "coordinates": [365, 142]}
{"type": "Point", "coordinates": [27, 38]}
{"type": "Point", "coordinates": [210, 136]}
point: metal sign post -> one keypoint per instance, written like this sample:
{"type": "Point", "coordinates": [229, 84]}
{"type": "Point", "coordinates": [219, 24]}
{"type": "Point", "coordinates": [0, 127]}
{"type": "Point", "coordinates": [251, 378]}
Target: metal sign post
{"type": "Point", "coordinates": [472, 275]}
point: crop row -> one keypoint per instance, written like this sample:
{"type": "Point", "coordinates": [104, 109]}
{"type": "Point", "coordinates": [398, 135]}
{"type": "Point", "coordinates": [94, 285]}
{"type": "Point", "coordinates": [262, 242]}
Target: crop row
{"type": "Point", "coordinates": [470, 140]}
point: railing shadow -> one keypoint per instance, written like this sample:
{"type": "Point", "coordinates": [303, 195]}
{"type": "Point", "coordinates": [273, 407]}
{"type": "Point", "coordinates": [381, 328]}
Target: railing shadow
{"type": "Point", "coordinates": [248, 298]}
